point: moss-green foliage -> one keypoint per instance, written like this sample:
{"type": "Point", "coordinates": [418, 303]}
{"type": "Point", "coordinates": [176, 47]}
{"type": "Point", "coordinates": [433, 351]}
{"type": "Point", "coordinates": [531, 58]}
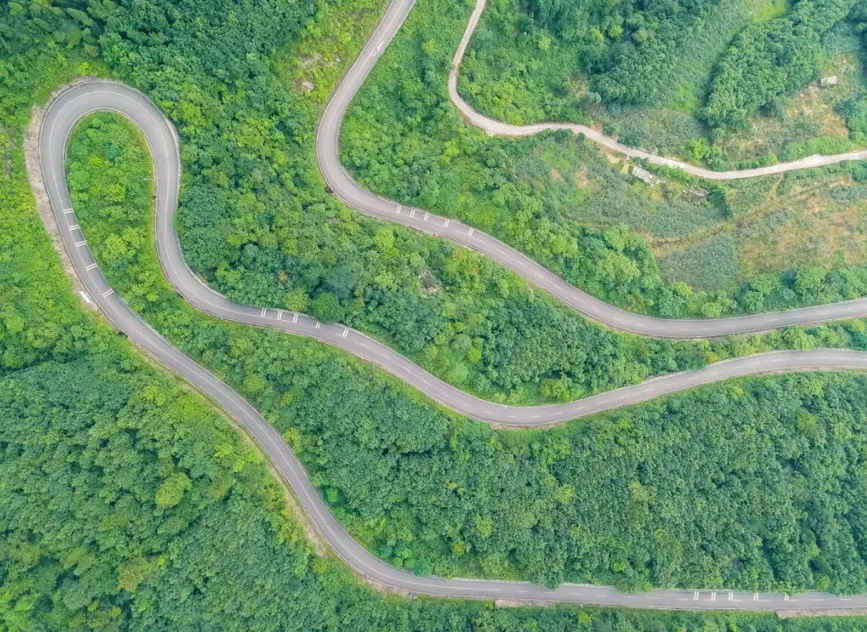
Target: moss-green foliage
{"type": "Point", "coordinates": [526, 362]}
{"type": "Point", "coordinates": [405, 139]}
{"type": "Point", "coordinates": [577, 185]}
{"type": "Point", "coordinates": [87, 442]}
{"type": "Point", "coordinates": [256, 221]}
{"type": "Point", "coordinates": [854, 110]}
{"type": "Point", "coordinates": [535, 346]}
{"type": "Point", "coordinates": [850, 193]}
{"type": "Point", "coordinates": [124, 495]}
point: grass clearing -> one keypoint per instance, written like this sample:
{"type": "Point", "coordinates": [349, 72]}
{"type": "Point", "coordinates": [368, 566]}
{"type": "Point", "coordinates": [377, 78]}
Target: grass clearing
{"type": "Point", "coordinates": [710, 264]}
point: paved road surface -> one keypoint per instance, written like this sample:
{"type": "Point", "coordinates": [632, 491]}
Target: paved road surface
{"type": "Point", "coordinates": [87, 97]}
{"type": "Point", "coordinates": [342, 184]}
{"type": "Point", "coordinates": [499, 128]}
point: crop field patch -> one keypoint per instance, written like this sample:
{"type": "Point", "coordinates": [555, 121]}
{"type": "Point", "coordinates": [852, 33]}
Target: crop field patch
{"type": "Point", "coordinates": [710, 264]}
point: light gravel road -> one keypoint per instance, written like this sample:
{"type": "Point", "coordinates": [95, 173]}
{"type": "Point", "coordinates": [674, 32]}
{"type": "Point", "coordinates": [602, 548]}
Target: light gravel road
{"type": "Point", "coordinates": [499, 128]}
{"type": "Point", "coordinates": [81, 99]}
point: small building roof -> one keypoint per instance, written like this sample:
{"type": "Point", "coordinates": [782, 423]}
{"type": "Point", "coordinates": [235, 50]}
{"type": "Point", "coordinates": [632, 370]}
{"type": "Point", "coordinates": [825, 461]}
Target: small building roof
{"type": "Point", "coordinates": [645, 175]}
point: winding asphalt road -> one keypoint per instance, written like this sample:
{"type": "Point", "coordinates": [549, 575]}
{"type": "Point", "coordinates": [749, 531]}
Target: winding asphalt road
{"type": "Point", "coordinates": [83, 98]}
{"type": "Point", "coordinates": [499, 128]}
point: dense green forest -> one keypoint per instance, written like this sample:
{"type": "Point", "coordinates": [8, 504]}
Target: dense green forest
{"type": "Point", "coordinates": [435, 493]}
{"type": "Point", "coordinates": [129, 504]}
{"type": "Point", "coordinates": [771, 59]}
{"type": "Point", "coordinates": [256, 221]}
{"type": "Point", "coordinates": [403, 138]}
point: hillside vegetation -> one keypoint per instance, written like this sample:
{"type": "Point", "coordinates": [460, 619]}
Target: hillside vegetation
{"type": "Point", "coordinates": [129, 504]}
{"type": "Point", "coordinates": [576, 209]}
{"type": "Point", "coordinates": [256, 221]}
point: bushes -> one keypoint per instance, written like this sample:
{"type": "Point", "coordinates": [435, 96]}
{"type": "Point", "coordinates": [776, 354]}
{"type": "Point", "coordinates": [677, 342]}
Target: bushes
{"type": "Point", "coordinates": [769, 60]}
{"type": "Point", "coordinates": [326, 308]}
{"type": "Point", "coordinates": [849, 193]}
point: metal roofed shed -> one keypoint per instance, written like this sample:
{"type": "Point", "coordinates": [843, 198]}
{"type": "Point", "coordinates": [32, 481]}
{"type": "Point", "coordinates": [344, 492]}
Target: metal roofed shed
{"type": "Point", "coordinates": [645, 175]}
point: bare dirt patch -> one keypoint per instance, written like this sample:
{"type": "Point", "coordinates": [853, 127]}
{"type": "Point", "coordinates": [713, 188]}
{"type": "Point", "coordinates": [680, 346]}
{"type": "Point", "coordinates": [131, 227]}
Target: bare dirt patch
{"type": "Point", "coordinates": [613, 158]}
{"type": "Point", "coordinates": [580, 178]}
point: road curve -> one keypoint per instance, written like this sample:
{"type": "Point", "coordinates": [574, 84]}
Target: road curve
{"type": "Point", "coordinates": [81, 99]}
{"type": "Point", "coordinates": [349, 191]}
{"type": "Point", "coordinates": [499, 128]}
